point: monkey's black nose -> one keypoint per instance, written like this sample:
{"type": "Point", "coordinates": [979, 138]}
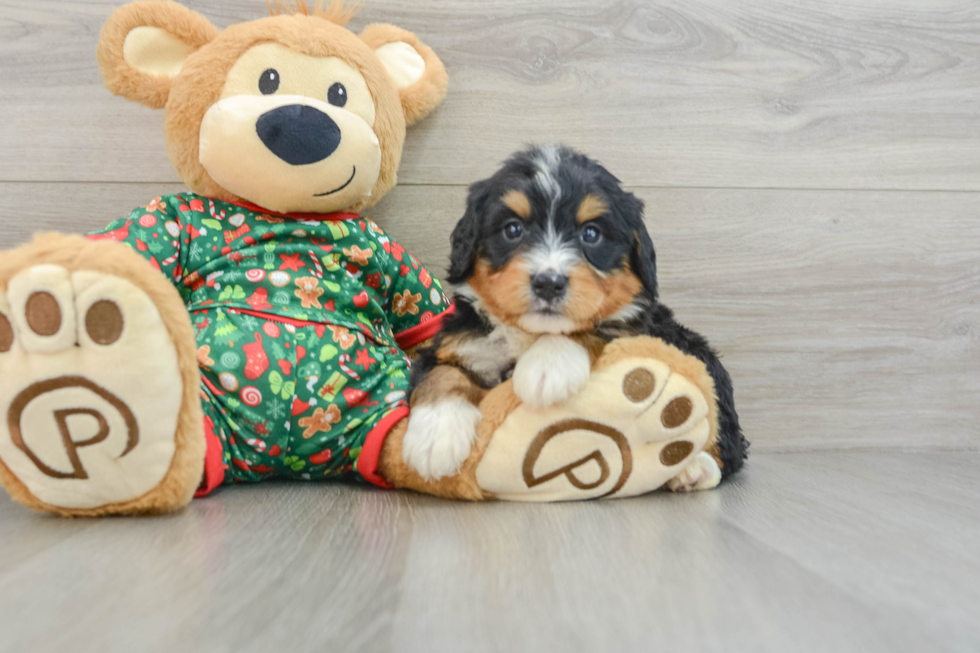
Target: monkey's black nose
{"type": "Point", "coordinates": [298, 134]}
{"type": "Point", "coordinates": [549, 285]}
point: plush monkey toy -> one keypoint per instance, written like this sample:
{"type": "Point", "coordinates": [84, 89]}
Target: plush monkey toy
{"type": "Point", "coordinates": [256, 327]}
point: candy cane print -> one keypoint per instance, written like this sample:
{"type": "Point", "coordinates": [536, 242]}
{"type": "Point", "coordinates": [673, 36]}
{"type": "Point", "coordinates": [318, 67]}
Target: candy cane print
{"type": "Point", "coordinates": [212, 210]}
{"type": "Point", "coordinates": [170, 260]}
{"type": "Point", "coordinates": [343, 361]}
{"type": "Point", "coordinates": [255, 443]}
{"type": "Point", "coordinates": [319, 270]}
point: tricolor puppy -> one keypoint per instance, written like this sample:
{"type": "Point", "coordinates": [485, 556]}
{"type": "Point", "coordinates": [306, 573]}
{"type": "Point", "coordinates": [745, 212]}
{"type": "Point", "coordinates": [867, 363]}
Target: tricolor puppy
{"type": "Point", "coordinates": [550, 262]}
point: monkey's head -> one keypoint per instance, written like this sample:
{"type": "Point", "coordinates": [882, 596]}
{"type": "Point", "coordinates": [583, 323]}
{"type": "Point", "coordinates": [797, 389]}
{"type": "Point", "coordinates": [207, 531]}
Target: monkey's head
{"type": "Point", "coordinates": [292, 112]}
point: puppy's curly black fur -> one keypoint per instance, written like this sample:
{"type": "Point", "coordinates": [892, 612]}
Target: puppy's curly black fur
{"type": "Point", "coordinates": [568, 252]}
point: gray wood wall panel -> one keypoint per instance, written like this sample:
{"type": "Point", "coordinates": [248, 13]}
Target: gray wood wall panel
{"type": "Point", "coordinates": [719, 93]}
{"type": "Point", "coordinates": [848, 319]}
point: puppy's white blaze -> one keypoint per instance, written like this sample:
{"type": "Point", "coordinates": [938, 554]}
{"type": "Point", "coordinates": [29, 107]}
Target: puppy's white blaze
{"type": "Point", "coordinates": [551, 371]}
{"type": "Point", "coordinates": [553, 254]}
{"type": "Point", "coordinates": [440, 436]}
{"type": "Point", "coordinates": [702, 474]}
{"type": "Point", "coordinates": [547, 160]}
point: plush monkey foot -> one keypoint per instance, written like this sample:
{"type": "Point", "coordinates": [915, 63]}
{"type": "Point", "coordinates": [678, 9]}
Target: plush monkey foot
{"type": "Point", "coordinates": [99, 412]}
{"type": "Point", "coordinates": [643, 419]}
{"type": "Point", "coordinates": [639, 421]}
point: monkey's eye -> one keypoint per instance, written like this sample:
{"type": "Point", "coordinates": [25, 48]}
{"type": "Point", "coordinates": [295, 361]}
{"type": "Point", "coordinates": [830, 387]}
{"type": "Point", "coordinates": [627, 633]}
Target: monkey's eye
{"type": "Point", "coordinates": [337, 95]}
{"type": "Point", "coordinates": [269, 82]}
{"type": "Point", "coordinates": [591, 235]}
{"type": "Point", "coordinates": [513, 230]}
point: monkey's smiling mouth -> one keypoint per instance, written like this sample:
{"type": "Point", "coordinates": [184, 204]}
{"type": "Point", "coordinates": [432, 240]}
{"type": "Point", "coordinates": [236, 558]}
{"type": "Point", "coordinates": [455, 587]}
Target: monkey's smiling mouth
{"type": "Point", "coordinates": [337, 190]}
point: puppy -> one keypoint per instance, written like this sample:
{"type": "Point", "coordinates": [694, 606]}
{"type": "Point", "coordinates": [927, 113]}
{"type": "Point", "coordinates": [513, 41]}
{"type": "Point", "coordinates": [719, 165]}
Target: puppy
{"type": "Point", "coordinates": [550, 262]}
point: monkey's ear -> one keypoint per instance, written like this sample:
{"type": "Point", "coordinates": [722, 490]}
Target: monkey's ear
{"type": "Point", "coordinates": [415, 69]}
{"type": "Point", "coordinates": [145, 44]}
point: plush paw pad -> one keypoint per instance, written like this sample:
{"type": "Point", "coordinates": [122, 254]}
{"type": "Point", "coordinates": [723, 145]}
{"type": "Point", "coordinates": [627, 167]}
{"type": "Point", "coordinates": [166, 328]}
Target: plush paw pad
{"type": "Point", "coordinates": [634, 425]}
{"type": "Point", "coordinates": [440, 436]}
{"type": "Point", "coordinates": [90, 390]}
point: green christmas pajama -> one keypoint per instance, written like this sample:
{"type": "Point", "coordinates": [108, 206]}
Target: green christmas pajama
{"type": "Point", "coordinates": [300, 323]}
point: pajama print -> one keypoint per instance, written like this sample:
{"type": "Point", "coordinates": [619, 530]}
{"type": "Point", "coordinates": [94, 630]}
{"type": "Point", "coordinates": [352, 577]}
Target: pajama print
{"type": "Point", "coordinates": [300, 327]}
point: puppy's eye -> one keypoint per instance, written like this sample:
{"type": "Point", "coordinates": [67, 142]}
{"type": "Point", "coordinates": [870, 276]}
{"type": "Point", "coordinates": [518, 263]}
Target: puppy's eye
{"type": "Point", "coordinates": [591, 235]}
{"type": "Point", "coordinates": [513, 230]}
{"type": "Point", "coordinates": [337, 95]}
{"type": "Point", "coordinates": [269, 82]}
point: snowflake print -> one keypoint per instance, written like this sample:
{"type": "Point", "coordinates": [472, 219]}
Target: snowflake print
{"type": "Point", "coordinates": [277, 409]}
{"type": "Point", "coordinates": [250, 322]}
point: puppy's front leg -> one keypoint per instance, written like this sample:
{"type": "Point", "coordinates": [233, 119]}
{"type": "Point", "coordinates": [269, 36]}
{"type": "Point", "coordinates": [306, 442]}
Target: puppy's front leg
{"type": "Point", "coordinates": [553, 369]}
{"type": "Point", "coordinates": [442, 424]}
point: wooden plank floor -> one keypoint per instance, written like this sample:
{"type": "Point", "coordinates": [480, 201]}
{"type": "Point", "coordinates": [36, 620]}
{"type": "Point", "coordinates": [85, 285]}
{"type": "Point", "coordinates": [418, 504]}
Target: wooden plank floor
{"type": "Point", "coordinates": [860, 552]}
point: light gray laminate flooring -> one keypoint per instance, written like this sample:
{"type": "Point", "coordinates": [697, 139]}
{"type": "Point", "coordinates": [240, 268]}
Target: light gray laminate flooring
{"type": "Point", "coordinates": [842, 552]}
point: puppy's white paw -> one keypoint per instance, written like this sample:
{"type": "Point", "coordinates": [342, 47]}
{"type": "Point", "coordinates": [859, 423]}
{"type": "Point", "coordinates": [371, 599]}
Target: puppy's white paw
{"type": "Point", "coordinates": [440, 436]}
{"type": "Point", "coordinates": [702, 474]}
{"type": "Point", "coordinates": [551, 371]}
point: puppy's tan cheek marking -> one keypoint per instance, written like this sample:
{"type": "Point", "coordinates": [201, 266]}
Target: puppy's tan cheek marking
{"type": "Point", "coordinates": [620, 290]}
{"type": "Point", "coordinates": [505, 292]}
{"type": "Point", "coordinates": [590, 208]}
{"type": "Point", "coordinates": [585, 294]}
{"type": "Point", "coordinates": [517, 202]}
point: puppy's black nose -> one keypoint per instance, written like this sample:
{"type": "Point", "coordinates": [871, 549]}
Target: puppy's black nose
{"type": "Point", "coordinates": [298, 134]}
{"type": "Point", "coordinates": [549, 285]}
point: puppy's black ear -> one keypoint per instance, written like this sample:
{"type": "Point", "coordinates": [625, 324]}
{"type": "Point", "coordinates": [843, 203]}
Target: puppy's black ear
{"type": "Point", "coordinates": [643, 258]}
{"type": "Point", "coordinates": [643, 261]}
{"type": "Point", "coordinates": [466, 235]}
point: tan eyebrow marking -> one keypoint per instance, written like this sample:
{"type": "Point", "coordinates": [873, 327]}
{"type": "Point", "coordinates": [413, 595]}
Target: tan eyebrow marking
{"type": "Point", "coordinates": [590, 208]}
{"type": "Point", "coordinates": [517, 202]}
